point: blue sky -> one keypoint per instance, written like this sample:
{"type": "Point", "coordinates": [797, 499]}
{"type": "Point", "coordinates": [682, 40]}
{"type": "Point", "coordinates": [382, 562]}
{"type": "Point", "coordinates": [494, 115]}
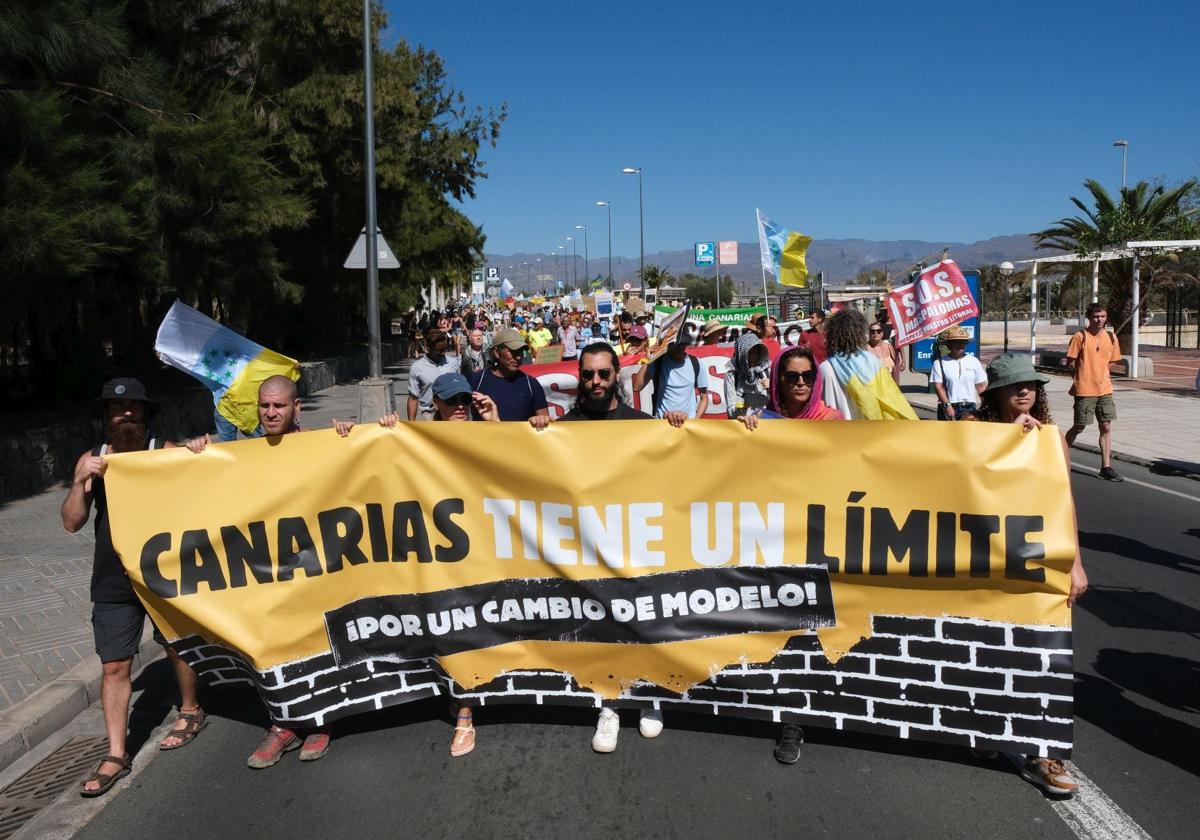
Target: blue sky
{"type": "Point", "coordinates": [875, 120]}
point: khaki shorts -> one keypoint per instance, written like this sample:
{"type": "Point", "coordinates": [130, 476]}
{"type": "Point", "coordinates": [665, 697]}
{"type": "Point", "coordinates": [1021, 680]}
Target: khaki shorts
{"type": "Point", "coordinates": [1102, 408]}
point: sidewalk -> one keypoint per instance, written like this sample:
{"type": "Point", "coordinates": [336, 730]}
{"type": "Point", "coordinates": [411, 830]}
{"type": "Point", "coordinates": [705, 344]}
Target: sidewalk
{"type": "Point", "coordinates": [48, 668]}
{"type": "Point", "coordinates": [1154, 428]}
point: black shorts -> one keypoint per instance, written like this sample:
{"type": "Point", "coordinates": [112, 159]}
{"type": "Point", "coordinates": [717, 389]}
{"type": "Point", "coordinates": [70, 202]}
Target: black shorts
{"type": "Point", "coordinates": [117, 629]}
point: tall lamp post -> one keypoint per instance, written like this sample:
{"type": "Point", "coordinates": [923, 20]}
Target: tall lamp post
{"type": "Point", "coordinates": [631, 170]}
{"type": "Point", "coordinates": [560, 259]}
{"type": "Point", "coordinates": [586, 273]}
{"type": "Point", "coordinates": [607, 205]}
{"type": "Point", "coordinates": [374, 392]}
{"type": "Point", "coordinates": [1006, 270]}
{"type": "Point", "coordinates": [574, 262]}
{"type": "Point", "coordinates": [375, 362]}
{"type": "Point", "coordinates": [1124, 144]}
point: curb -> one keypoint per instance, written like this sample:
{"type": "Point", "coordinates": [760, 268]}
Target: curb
{"type": "Point", "coordinates": [56, 703]}
{"type": "Point", "coordinates": [1095, 450]}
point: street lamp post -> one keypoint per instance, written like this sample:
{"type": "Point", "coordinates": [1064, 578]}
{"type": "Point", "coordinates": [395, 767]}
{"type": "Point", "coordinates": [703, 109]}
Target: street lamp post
{"type": "Point", "coordinates": [1124, 144]}
{"type": "Point", "coordinates": [374, 392]}
{"type": "Point", "coordinates": [574, 263]}
{"type": "Point", "coordinates": [608, 206]}
{"type": "Point", "coordinates": [586, 273]}
{"type": "Point", "coordinates": [1006, 270]}
{"type": "Point", "coordinates": [630, 170]}
{"type": "Point", "coordinates": [375, 362]}
{"type": "Point", "coordinates": [561, 262]}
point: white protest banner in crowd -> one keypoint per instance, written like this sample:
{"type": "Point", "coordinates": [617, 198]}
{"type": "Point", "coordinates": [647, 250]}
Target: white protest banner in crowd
{"type": "Point", "coordinates": [938, 299]}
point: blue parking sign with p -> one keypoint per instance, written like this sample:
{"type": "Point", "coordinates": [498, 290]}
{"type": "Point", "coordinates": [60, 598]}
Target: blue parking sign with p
{"type": "Point", "coordinates": [706, 253]}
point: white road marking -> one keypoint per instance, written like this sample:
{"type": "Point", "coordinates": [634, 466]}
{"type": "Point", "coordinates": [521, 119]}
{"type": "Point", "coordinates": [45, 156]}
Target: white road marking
{"type": "Point", "coordinates": [1092, 815]}
{"type": "Point", "coordinates": [1082, 470]}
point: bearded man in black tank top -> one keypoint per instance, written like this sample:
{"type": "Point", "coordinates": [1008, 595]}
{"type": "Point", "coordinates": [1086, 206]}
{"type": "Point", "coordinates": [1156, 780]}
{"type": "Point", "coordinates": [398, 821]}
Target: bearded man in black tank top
{"type": "Point", "coordinates": [117, 615]}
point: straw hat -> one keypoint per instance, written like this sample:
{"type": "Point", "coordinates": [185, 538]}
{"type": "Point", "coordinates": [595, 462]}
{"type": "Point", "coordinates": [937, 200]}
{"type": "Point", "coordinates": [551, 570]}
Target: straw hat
{"type": "Point", "coordinates": [954, 334]}
{"type": "Point", "coordinates": [712, 326]}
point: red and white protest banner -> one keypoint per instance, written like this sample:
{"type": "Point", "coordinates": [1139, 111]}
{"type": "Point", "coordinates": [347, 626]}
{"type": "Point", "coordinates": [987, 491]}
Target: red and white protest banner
{"type": "Point", "coordinates": [560, 380]}
{"type": "Point", "coordinates": [939, 298]}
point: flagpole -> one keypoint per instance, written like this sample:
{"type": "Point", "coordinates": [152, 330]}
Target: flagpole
{"type": "Point", "coordinates": [761, 265]}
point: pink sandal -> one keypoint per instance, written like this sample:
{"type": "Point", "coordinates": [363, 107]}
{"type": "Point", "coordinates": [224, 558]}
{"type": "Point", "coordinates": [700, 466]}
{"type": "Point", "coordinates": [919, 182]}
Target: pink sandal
{"type": "Point", "coordinates": [464, 736]}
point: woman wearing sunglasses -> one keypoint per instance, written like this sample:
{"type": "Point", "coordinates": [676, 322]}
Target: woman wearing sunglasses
{"type": "Point", "coordinates": [794, 391]}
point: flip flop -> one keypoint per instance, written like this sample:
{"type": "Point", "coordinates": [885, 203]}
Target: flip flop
{"type": "Point", "coordinates": [194, 723]}
{"type": "Point", "coordinates": [106, 780]}
{"type": "Point", "coordinates": [464, 736]}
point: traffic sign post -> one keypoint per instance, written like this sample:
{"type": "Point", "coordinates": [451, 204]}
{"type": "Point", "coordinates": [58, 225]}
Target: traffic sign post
{"type": "Point", "coordinates": [726, 255]}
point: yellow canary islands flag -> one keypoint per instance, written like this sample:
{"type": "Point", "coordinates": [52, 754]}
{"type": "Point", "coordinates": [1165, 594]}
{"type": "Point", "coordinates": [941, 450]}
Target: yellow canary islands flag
{"type": "Point", "coordinates": [783, 252]}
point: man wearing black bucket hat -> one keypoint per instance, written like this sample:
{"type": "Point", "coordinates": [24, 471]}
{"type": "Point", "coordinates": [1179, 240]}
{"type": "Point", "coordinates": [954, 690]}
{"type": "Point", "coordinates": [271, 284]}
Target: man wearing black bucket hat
{"type": "Point", "coordinates": [117, 615]}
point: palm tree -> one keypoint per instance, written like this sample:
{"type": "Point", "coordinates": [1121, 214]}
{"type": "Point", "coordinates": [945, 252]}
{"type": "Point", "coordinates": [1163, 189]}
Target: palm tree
{"type": "Point", "coordinates": [655, 276]}
{"type": "Point", "coordinates": [1143, 213]}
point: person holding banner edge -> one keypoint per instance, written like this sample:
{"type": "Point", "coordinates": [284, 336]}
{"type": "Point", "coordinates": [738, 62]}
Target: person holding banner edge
{"type": "Point", "coordinates": [117, 615]}
{"type": "Point", "coordinates": [1015, 393]}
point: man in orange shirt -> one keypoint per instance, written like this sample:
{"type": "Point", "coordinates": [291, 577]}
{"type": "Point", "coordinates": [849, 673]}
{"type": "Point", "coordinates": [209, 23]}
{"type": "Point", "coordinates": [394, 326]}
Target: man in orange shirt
{"type": "Point", "coordinates": [1089, 356]}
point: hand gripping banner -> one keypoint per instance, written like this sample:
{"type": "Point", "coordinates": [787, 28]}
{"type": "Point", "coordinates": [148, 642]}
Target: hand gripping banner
{"type": "Point", "coordinates": [899, 578]}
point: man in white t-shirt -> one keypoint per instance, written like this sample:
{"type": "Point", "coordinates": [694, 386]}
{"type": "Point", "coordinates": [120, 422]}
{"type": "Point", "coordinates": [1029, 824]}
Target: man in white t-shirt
{"type": "Point", "coordinates": [959, 379]}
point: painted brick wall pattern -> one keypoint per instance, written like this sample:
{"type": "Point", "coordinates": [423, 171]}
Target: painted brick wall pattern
{"type": "Point", "coordinates": [980, 684]}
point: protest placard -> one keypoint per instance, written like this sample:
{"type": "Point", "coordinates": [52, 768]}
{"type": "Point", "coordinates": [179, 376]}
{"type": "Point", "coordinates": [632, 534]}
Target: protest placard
{"type": "Point", "coordinates": [937, 299]}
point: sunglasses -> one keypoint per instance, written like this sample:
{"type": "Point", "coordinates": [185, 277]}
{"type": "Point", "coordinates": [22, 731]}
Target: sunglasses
{"type": "Point", "coordinates": [873, 332]}
{"type": "Point", "coordinates": [792, 377]}
{"type": "Point", "coordinates": [459, 400]}
{"type": "Point", "coordinates": [604, 374]}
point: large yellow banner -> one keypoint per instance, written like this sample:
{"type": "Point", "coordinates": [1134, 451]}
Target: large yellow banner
{"type": "Point", "coordinates": [903, 577]}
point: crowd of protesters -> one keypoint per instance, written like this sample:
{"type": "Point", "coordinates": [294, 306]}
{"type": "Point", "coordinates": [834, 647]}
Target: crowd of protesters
{"type": "Point", "coordinates": [469, 364]}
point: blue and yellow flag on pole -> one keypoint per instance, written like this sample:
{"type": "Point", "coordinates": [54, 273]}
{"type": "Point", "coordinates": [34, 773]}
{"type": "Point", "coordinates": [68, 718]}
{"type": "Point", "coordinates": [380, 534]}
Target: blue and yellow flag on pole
{"type": "Point", "coordinates": [783, 252]}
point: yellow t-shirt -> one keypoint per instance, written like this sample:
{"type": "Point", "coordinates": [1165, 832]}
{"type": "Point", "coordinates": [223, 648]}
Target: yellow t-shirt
{"type": "Point", "coordinates": [1092, 355]}
{"type": "Point", "coordinates": [538, 339]}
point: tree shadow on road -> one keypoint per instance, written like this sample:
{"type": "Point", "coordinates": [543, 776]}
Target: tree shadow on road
{"type": "Point", "coordinates": [1138, 609]}
{"type": "Point", "coordinates": [1109, 708]}
{"type": "Point", "coordinates": [1124, 546]}
{"type": "Point", "coordinates": [1172, 467]}
{"type": "Point", "coordinates": [1170, 680]}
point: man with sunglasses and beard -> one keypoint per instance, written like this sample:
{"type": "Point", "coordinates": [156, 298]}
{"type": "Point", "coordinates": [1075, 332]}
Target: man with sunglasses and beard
{"type": "Point", "coordinates": [117, 615]}
{"type": "Point", "coordinates": [599, 398]}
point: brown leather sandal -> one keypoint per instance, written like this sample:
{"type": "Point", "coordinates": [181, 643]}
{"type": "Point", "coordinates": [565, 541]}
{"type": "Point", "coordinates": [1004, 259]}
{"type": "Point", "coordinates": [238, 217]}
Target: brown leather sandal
{"type": "Point", "coordinates": [194, 721]}
{"type": "Point", "coordinates": [106, 780]}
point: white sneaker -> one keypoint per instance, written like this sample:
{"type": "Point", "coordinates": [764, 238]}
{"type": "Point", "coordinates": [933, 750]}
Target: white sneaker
{"type": "Point", "coordinates": [607, 729]}
{"type": "Point", "coordinates": [651, 723]}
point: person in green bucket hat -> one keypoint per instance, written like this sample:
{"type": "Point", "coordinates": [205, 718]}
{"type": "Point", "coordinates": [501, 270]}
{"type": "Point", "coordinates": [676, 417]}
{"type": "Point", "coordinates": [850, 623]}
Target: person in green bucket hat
{"type": "Point", "coordinates": [1016, 393]}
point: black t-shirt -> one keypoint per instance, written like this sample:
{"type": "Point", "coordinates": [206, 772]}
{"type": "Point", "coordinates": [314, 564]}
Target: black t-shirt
{"type": "Point", "coordinates": [110, 585]}
{"type": "Point", "coordinates": [621, 412]}
{"type": "Point", "coordinates": [518, 400]}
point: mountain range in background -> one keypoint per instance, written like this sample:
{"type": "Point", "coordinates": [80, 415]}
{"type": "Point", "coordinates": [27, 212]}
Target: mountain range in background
{"type": "Point", "coordinates": [840, 259]}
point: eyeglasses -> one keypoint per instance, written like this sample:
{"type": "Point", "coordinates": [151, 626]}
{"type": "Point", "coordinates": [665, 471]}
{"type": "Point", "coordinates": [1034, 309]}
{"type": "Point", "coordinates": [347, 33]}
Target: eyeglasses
{"type": "Point", "coordinates": [604, 374]}
{"type": "Point", "coordinates": [791, 377]}
{"type": "Point", "coordinates": [873, 332]}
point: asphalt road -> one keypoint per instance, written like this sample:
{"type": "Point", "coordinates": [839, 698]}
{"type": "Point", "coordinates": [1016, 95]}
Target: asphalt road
{"type": "Point", "coordinates": [1137, 642]}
